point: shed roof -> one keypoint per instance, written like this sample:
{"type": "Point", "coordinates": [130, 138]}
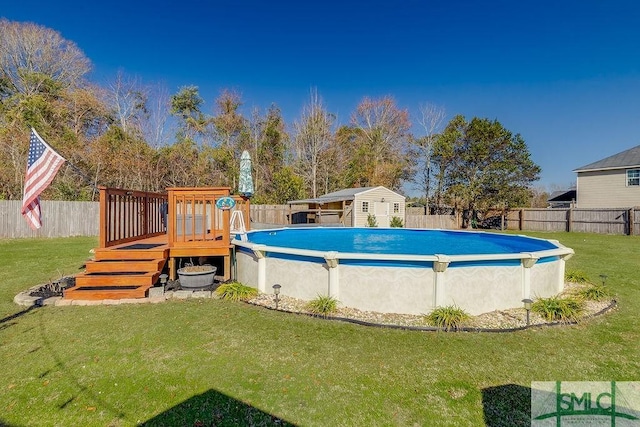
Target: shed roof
{"type": "Point", "coordinates": [625, 159]}
{"type": "Point", "coordinates": [339, 196]}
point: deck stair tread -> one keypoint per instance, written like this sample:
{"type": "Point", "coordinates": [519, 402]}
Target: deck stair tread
{"type": "Point", "coordinates": [130, 254]}
{"type": "Point", "coordinates": [105, 292]}
{"type": "Point", "coordinates": [112, 265]}
{"type": "Point", "coordinates": [122, 278]}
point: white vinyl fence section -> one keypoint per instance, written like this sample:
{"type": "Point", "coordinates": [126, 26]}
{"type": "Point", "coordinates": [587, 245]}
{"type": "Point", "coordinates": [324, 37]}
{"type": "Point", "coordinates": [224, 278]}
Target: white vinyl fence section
{"type": "Point", "coordinates": [59, 219]}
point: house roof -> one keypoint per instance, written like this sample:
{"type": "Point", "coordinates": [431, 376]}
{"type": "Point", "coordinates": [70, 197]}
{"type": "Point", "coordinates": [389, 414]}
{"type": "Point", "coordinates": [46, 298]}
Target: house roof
{"type": "Point", "coordinates": [563, 196]}
{"type": "Point", "coordinates": [625, 159]}
{"type": "Point", "coordinates": [338, 196]}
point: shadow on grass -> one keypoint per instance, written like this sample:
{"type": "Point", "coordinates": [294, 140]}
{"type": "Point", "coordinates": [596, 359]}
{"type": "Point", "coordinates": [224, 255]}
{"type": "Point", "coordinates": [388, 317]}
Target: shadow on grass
{"type": "Point", "coordinates": [213, 408]}
{"type": "Point", "coordinates": [15, 316]}
{"type": "Point", "coordinates": [507, 405]}
{"type": "Point", "coordinates": [4, 424]}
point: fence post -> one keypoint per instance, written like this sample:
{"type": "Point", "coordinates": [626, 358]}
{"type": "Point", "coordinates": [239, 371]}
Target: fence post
{"type": "Point", "coordinates": [630, 217]}
{"type": "Point", "coordinates": [570, 220]}
{"type": "Point", "coordinates": [521, 219]}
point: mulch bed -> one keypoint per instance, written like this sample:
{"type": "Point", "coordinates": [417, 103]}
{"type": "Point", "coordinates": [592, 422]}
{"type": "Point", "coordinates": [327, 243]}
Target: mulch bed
{"type": "Point", "coordinates": [53, 289]}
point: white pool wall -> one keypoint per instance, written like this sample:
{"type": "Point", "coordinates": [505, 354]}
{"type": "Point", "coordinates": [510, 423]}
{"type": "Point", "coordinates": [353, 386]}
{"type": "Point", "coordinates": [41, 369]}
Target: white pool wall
{"type": "Point", "coordinates": [408, 290]}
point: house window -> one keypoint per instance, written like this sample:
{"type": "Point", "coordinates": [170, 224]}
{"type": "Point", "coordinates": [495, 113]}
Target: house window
{"type": "Point", "coordinates": [633, 177]}
{"type": "Point", "coordinates": [365, 207]}
{"type": "Point", "coordinates": [396, 208]}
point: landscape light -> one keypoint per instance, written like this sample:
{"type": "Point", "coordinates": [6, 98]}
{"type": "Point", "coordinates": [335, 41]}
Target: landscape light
{"type": "Point", "coordinates": [527, 306]}
{"type": "Point", "coordinates": [276, 292]}
{"type": "Point", "coordinates": [163, 279]}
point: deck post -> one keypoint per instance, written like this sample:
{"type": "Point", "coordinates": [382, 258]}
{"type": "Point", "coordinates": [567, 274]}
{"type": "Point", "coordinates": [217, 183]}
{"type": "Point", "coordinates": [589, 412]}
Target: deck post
{"type": "Point", "coordinates": [103, 217]}
{"type": "Point", "coordinates": [172, 268]}
{"type": "Point", "coordinates": [227, 266]}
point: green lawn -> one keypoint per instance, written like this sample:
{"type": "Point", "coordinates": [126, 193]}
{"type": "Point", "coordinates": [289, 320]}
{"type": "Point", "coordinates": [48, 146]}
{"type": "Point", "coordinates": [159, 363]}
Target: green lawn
{"type": "Point", "coordinates": [211, 362]}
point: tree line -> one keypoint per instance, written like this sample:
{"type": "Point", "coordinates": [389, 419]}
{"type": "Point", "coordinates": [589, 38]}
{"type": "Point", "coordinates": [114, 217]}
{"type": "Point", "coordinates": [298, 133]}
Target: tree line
{"type": "Point", "coordinates": [130, 135]}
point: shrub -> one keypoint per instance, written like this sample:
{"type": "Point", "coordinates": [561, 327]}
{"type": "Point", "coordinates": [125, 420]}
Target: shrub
{"type": "Point", "coordinates": [372, 221]}
{"type": "Point", "coordinates": [323, 305]}
{"type": "Point", "coordinates": [449, 318]}
{"type": "Point", "coordinates": [235, 291]}
{"type": "Point", "coordinates": [558, 309]}
{"type": "Point", "coordinates": [595, 293]}
{"type": "Point", "coordinates": [576, 276]}
{"type": "Point", "coordinates": [396, 222]}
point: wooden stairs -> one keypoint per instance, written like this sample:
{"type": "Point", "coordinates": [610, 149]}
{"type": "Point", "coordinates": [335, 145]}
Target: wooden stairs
{"type": "Point", "coordinates": [118, 272]}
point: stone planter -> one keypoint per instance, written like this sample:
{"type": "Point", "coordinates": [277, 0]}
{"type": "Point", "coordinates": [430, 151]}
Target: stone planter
{"type": "Point", "coordinates": [199, 276]}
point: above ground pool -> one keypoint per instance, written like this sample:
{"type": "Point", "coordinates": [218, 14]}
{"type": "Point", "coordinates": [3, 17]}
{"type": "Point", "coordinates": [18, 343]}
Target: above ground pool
{"type": "Point", "coordinates": [397, 270]}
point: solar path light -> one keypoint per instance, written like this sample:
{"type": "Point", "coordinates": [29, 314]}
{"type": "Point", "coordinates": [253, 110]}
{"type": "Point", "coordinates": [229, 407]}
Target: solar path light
{"type": "Point", "coordinates": [527, 306]}
{"type": "Point", "coordinates": [276, 292]}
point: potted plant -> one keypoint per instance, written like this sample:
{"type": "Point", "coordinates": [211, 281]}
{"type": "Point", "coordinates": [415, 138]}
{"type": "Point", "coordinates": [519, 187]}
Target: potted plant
{"type": "Point", "coordinates": [196, 276]}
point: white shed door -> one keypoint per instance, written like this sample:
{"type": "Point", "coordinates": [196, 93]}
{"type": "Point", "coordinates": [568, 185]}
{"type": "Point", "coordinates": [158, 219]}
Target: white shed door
{"type": "Point", "coordinates": [381, 211]}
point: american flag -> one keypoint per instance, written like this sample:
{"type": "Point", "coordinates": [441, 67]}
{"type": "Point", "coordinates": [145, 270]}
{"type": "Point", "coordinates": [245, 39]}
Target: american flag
{"type": "Point", "coordinates": [42, 166]}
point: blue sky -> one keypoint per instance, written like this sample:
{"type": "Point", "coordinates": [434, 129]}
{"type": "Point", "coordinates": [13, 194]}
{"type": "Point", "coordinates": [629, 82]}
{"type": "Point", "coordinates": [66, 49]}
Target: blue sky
{"type": "Point", "coordinates": [563, 74]}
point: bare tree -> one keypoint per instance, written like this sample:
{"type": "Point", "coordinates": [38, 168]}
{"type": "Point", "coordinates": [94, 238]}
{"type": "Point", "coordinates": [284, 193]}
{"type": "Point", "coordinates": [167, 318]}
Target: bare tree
{"type": "Point", "coordinates": [128, 100]}
{"type": "Point", "coordinates": [154, 127]}
{"type": "Point", "coordinates": [313, 136]}
{"type": "Point", "coordinates": [431, 119]}
{"type": "Point", "coordinates": [42, 85]}
{"type": "Point", "coordinates": [383, 133]}
{"type": "Point", "coordinates": [32, 57]}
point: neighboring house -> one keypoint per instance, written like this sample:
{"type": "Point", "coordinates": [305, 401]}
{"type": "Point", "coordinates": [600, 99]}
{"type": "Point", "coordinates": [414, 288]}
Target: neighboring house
{"type": "Point", "coordinates": [562, 198]}
{"type": "Point", "coordinates": [350, 207]}
{"type": "Point", "coordinates": [613, 182]}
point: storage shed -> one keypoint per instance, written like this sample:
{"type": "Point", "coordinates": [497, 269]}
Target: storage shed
{"type": "Point", "coordinates": [350, 207]}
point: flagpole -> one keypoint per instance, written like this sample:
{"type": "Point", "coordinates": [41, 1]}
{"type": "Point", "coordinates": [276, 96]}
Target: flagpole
{"type": "Point", "coordinates": [85, 177]}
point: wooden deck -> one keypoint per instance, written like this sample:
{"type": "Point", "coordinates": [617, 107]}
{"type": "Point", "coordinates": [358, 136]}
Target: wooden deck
{"type": "Point", "coordinates": [144, 234]}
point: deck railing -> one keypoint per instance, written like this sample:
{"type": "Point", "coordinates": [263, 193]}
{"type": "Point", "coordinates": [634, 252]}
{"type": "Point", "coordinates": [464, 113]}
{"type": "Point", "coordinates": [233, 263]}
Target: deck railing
{"type": "Point", "coordinates": [129, 215]}
{"type": "Point", "coordinates": [195, 220]}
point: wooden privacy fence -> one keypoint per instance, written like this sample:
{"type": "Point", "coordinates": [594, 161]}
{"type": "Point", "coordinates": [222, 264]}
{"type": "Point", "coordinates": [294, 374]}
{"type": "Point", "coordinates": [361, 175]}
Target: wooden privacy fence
{"type": "Point", "coordinates": [602, 221]}
{"type": "Point", "coordinates": [444, 222]}
{"type": "Point", "coordinates": [270, 214]}
{"type": "Point", "coordinates": [59, 219]}
{"type": "Point", "coordinates": [63, 219]}
{"type": "Point", "coordinates": [280, 214]}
